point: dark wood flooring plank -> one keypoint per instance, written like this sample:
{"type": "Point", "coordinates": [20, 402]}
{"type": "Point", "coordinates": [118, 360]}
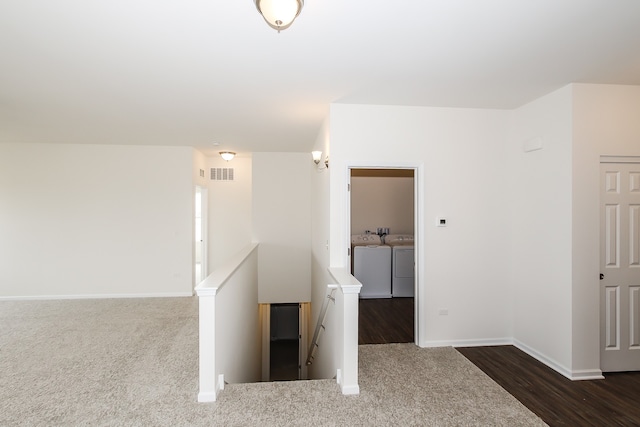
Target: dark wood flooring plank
{"type": "Point", "coordinates": [614, 401]}
{"type": "Point", "coordinates": [385, 320]}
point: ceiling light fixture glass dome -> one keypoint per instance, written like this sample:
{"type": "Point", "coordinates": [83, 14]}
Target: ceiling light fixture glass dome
{"type": "Point", "coordinates": [279, 14]}
{"type": "Point", "coordinates": [227, 155]}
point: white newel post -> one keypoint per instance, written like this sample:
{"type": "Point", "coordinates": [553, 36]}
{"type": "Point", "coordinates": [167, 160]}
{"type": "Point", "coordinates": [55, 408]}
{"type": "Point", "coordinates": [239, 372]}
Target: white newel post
{"type": "Point", "coordinates": [349, 380]}
{"type": "Point", "coordinates": [207, 303]}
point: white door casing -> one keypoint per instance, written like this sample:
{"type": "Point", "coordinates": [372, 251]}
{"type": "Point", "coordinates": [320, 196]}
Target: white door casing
{"type": "Point", "coordinates": [620, 267]}
{"type": "Point", "coordinates": [200, 233]}
{"type": "Point", "coordinates": [418, 207]}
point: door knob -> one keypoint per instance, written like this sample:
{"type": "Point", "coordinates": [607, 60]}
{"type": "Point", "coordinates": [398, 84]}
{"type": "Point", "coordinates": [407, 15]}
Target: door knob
{"type": "Point", "coordinates": [601, 276]}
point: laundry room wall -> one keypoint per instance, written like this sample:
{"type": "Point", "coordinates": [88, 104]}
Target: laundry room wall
{"type": "Point", "coordinates": [382, 201]}
{"type": "Point", "coordinates": [461, 155]}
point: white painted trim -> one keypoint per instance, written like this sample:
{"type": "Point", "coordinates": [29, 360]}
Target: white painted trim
{"type": "Point", "coordinates": [350, 289]}
{"type": "Point", "coordinates": [585, 374]}
{"type": "Point", "coordinates": [207, 397]}
{"type": "Point", "coordinates": [343, 277]}
{"type": "Point", "coordinates": [216, 280]}
{"type": "Point", "coordinates": [578, 375]}
{"type": "Point", "coordinates": [544, 359]}
{"type": "Point", "coordinates": [468, 343]}
{"type": "Point", "coordinates": [204, 212]}
{"type": "Point", "coordinates": [351, 390]}
{"type": "Point", "coordinates": [619, 159]}
{"type": "Point", "coordinates": [420, 308]}
{"type": "Point", "coordinates": [94, 296]}
{"type": "Point", "coordinates": [420, 234]}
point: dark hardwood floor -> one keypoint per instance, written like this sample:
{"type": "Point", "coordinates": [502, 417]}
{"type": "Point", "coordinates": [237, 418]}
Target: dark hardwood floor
{"type": "Point", "coordinates": [385, 320]}
{"type": "Point", "coordinates": [614, 401]}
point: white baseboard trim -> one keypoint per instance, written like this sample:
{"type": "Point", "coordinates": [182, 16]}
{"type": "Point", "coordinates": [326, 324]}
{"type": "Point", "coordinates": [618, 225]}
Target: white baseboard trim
{"type": "Point", "coordinates": [212, 396]}
{"type": "Point", "coordinates": [587, 374]}
{"type": "Point", "coordinates": [468, 343]}
{"type": "Point", "coordinates": [207, 397]}
{"type": "Point", "coordinates": [577, 375]}
{"type": "Point", "coordinates": [544, 359]}
{"type": "Point", "coordinates": [94, 296]}
{"type": "Point", "coordinates": [351, 389]}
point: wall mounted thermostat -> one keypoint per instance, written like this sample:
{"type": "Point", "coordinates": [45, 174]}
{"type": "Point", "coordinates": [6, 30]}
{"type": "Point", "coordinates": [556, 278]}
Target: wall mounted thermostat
{"type": "Point", "coordinates": [441, 222]}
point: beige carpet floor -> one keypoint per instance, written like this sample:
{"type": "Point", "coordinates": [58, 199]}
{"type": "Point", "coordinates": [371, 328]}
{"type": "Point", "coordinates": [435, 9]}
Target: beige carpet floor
{"type": "Point", "coordinates": [134, 362]}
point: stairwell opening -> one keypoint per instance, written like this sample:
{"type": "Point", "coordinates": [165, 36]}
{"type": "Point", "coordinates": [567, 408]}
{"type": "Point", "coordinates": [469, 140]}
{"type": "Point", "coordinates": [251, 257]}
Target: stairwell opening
{"type": "Point", "coordinates": [285, 341]}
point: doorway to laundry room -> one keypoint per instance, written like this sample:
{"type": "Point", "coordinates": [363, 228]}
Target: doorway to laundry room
{"type": "Point", "coordinates": [383, 235]}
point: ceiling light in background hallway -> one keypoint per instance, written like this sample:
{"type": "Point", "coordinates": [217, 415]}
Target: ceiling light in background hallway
{"type": "Point", "coordinates": [227, 155]}
{"type": "Point", "coordinates": [279, 14]}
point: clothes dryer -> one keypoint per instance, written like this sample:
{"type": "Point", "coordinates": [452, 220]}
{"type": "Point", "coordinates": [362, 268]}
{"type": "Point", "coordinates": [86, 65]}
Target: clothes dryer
{"type": "Point", "coordinates": [402, 264]}
{"type": "Point", "coordinates": [371, 265]}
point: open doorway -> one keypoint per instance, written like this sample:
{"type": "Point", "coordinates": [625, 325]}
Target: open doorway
{"type": "Point", "coordinates": [383, 234]}
{"type": "Point", "coordinates": [284, 347]}
{"type": "Point", "coordinates": [285, 333]}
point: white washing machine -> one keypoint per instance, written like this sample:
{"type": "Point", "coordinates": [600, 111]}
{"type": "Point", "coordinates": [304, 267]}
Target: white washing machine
{"type": "Point", "coordinates": [371, 265]}
{"type": "Point", "coordinates": [402, 264]}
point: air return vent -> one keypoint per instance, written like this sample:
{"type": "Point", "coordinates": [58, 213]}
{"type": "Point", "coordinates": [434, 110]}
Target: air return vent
{"type": "Point", "coordinates": [222, 174]}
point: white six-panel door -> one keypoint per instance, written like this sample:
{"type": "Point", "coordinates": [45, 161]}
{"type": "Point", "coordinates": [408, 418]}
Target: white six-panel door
{"type": "Point", "coordinates": [620, 267]}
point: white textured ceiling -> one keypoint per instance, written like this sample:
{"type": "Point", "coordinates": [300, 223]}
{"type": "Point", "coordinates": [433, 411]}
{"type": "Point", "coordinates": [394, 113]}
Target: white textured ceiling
{"type": "Point", "coordinates": [195, 72]}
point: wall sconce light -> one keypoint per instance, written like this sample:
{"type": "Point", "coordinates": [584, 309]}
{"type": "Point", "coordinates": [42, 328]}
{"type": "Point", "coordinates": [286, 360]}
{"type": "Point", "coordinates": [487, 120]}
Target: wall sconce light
{"type": "Point", "coordinates": [317, 155]}
{"type": "Point", "coordinates": [317, 158]}
{"type": "Point", "coordinates": [279, 14]}
{"type": "Point", "coordinates": [227, 155]}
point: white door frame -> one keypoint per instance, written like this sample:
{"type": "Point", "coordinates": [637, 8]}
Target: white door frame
{"type": "Point", "coordinates": [608, 160]}
{"type": "Point", "coordinates": [419, 333]}
{"type": "Point", "coordinates": [204, 219]}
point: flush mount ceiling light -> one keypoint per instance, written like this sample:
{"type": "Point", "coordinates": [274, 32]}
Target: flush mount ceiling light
{"type": "Point", "coordinates": [227, 155]}
{"type": "Point", "coordinates": [279, 14]}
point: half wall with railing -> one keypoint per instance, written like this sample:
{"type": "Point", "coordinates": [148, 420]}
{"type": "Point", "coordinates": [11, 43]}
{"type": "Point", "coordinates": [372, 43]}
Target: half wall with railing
{"type": "Point", "coordinates": [230, 337]}
{"type": "Point", "coordinates": [340, 306]}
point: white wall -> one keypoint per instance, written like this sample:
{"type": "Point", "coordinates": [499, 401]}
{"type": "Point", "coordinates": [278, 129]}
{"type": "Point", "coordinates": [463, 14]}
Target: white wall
{"type": "Point", "coordinates": [382, 202]}
{"type": "Point", "coordinates": [92, 220]}
{"type": "Point", "coordinates": [539, 258]}
{"type": "Point", "coordinates": [461, 153]}
{"type": "Point", "coordinates": [328, 353]}
{"type": "Point", "coordinates": [229, 215]}
{"type": "Point", "coordinates": [606, 122]}
{"type": "Point", "coordinates": [282, 225]}
{"type": "Point", "coordinates": [238, 349]}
